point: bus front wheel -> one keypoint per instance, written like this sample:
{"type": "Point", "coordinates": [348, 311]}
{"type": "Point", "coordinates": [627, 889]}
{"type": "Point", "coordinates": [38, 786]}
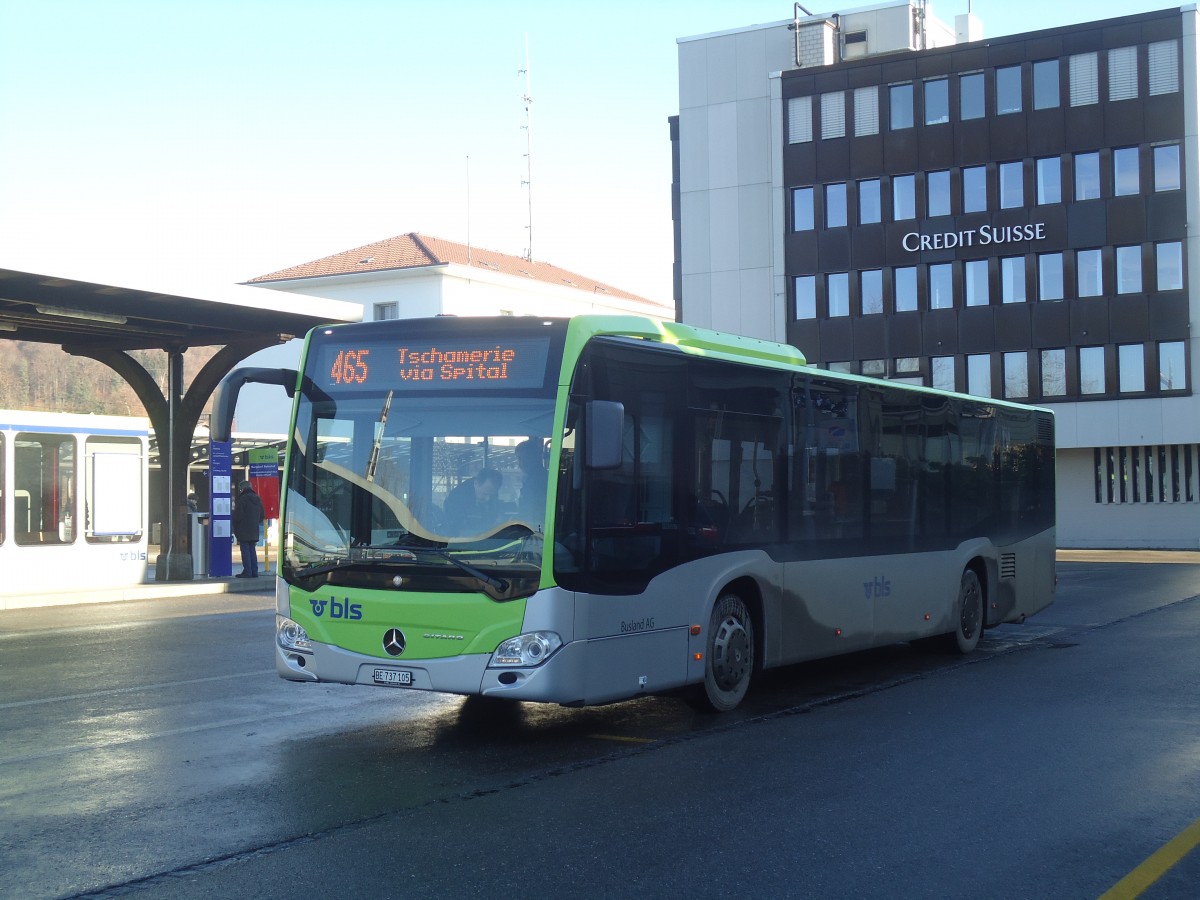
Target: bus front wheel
{"type": "Point", "coordinates": [969, 614]}
{"type": "Point", "coordinates": [729, 657]}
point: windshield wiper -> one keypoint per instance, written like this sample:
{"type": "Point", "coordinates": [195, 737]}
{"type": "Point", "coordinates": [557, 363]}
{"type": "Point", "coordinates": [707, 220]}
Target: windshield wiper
{"type": "Point", "coordinates": [500, 585]}
{"type": "Point", "coordinates": [491, 581]}
{"type": "Point", "coordinates": [322, 568]}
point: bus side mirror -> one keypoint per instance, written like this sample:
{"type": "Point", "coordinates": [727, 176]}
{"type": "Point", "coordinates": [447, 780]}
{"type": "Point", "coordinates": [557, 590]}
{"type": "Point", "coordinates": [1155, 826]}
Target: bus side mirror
{"type": "Point", "coordinates": [605, 434]}
{"type": "Point", "coordinates": [226, 395]}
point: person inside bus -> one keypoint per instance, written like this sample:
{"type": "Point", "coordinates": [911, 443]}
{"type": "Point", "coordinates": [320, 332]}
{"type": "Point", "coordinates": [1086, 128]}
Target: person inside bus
{"type": "Point", "coordinates": [247, 523]}
{"type": "Point", "coordinates": [531, 507]}
{"type": "Point", "coordinates": [474, 506]}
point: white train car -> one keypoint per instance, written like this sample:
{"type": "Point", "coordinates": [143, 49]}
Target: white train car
{"type": "Point", "coordinates": [73, 508]}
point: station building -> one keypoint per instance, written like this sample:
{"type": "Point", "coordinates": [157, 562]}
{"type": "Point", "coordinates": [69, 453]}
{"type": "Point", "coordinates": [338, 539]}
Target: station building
{"type": "Point", "coordinates": [1007, 217]}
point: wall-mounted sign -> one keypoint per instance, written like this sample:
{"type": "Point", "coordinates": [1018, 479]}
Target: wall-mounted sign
{"type": "Point", "coordinates": [975, 237]}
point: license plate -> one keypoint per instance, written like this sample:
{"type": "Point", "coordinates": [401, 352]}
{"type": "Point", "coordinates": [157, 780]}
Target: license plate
{"type": "Point", "coordinates": [392, 676]}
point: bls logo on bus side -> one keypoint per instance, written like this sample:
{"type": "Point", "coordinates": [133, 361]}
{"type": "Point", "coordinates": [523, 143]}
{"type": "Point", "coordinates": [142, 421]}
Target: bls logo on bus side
{"type": "Point", "coordinates": [880, 587]}
{"type": "Point", "coordinates": [337, 609]}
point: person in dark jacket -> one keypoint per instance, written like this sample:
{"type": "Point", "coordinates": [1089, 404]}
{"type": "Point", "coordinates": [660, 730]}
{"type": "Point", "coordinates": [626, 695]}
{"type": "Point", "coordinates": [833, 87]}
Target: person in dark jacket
{"type": "Point", "coordinates": [473, 507]}
{"type": "Point", "coordinates": [247, 526]}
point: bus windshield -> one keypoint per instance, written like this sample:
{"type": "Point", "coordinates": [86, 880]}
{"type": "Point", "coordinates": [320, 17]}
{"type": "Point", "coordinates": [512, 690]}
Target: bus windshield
{"type": "Point", "coordinates": [377, 473]}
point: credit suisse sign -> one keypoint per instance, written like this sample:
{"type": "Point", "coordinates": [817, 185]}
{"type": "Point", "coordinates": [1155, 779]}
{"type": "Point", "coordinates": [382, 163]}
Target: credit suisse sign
{"type": "Point", "coordinates": [982, 236]}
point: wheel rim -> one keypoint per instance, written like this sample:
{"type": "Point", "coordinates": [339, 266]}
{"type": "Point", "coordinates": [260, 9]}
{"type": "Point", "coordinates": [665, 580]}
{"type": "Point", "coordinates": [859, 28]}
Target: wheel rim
{"type": "Point", "coordinates": [732, 654]}
{"type": "Point", "coordinates": [970, 606]}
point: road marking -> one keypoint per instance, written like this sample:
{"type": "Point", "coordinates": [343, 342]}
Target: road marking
{"type": "Point", "coordinates": [135, 689]}
{"type": "Point", "coordinates": [622, 738]}
{"type": "Point", "coordinates": [1156, 866]}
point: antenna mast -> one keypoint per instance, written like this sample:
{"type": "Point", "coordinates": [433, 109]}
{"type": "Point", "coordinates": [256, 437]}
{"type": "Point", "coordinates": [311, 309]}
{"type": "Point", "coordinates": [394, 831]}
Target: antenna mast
{"type": "Point", "coordinates": [527, 97]}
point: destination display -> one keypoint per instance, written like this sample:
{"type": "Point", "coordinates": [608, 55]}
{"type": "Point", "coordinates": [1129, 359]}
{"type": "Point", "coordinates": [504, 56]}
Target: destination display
{"type": "Point", "coordinates": [433, 365]}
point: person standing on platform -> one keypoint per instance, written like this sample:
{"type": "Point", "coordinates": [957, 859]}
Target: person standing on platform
{"type": "Point", "coordinates": [247, 528]}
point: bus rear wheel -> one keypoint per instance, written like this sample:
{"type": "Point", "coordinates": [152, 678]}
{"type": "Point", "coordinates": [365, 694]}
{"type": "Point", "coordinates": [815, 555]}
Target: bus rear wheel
{"type": "Point", "coordinates": [729, 656]}
{"type": "Point", "coordinates": [969, 614]}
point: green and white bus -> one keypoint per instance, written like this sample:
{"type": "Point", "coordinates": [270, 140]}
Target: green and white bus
{"type": "Point", "coordinates": [677, 509]}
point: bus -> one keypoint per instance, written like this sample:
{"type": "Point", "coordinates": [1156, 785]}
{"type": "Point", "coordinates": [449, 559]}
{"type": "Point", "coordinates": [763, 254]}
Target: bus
{"type": "Point", "coordinates": [72, 503]}
{"type": "Point", "coordinates": [654, 508]}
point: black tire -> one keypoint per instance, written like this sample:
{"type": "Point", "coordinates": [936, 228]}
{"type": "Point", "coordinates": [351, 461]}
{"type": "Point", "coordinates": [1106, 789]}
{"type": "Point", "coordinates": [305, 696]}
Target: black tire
{"type": "Point", "coordinates": [969, 614]}
{"type": "Point", "coordinates": [728, 658]}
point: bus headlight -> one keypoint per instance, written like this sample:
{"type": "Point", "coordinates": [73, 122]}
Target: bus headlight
{"type": "Point", "coordinates": [291, 636]}
{"type": "Point", "coordinates": [530, 649]}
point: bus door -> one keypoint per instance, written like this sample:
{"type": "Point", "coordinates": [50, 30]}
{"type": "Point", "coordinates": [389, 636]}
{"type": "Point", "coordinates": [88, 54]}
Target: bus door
{"type": "Point", "coordinates": [897, 581]}
{"type": "Point", "coordinates": [825, 610]}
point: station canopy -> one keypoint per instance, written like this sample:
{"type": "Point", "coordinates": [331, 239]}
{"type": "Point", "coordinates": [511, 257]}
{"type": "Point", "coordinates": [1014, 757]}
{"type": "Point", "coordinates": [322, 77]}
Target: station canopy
{"type": "Point", "coordinates": [73, 312]}
{"type": "Point", "coordinates": [105, 321]}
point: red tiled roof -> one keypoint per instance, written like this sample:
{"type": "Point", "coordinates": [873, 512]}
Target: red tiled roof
{"type": "Point", "coordinates": [413, 250]}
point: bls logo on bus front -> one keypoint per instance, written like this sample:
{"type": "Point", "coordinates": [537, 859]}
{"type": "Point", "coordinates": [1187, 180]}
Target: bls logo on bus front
{"type": "Point", "coordinates": [337, 609]}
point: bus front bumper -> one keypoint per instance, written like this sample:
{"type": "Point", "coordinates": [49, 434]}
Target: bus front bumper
{"type": "Point", "coordinates": [555, 681]}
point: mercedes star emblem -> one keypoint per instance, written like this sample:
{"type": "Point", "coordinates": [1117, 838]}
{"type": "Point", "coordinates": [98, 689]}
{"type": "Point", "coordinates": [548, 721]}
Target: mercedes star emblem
{"type": "Point", "coordinates": [393, 642]}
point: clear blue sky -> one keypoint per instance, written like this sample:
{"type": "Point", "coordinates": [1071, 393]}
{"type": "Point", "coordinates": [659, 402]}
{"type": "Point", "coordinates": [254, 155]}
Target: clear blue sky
{"type": "Point", "coordinates": [188, 143]}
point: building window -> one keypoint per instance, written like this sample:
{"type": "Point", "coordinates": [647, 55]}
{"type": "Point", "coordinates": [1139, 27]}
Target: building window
{"type": "Point", "coordinates": [806, 296]}
{"type": "Point", "coordinates": [1050, 276]}
{"type": "Point", "coordinates": [1171, 374]}
{"type": "Point", "coordinates": [803, 217]}
{"type": "Point", "coordinates": [1087, 176]}
{"type": "Point", "coordinates": [384, 311]}
{"type": "Point", "coordinates": [866, 111]}
{"type": "Point", "coordinates": [1054, 373]}
{"type": "Point", "coordinates": [1091, 370]}
{"type": "Point", "coordinates": [800, 125]}
{"type": "Point", "coordinates": [844, 368]}
{"type": "Point", "coordinates": [1016, 375]}
{"type": "Point", "coordinates": [941, 286]}
{"type": "Point", "coordinates": [1126, 172]}
{"type": "Point", "coordinates": [869, 206]}
{"type": "Point", "coordinates": [970, 88]}
{"type": "Point", "coordinates": [1131, 368]}
{"type": "Point", "coordinates": [1012, 279]}
{"type": "Point", "coordinates": [905, 288]}
{"type": "Point", "coordinates": [835, 205]}
{"type": "Point", "coordinates": [904, 197]}
{"type": "Point", "coordinates": [974, 186]}
{"type": "Point", "coordinates": [871, 286]}
{"type": "Point", "coordinates": [833, 115]}
{"type": "Point", "coordinates": [1049, 180]}
{"type": "Point", "coordinates": [1166, 168]}
{"type": "Point", "coordinates": [1156, 474]}
{"type": "Point", "coordinates": [975, 276]}
{"type": "Point", "coordinates": [1012, 185]}
{"type": "Point", "coordinates": [1045, 84]}
{"type": "Point", "coordinates": [837, 293]}
{"type": "Point", "coordinates": [941, 373]}
{"type": "Point", "coordinates": [1163, 58]}
{"type": "Point", "coordinates": [1008, 90]}
{"type": "Point", "coordinates": [1089, 277]}
{"type": "Point", "coordinates": [1169, 265]}
{"type": "Point", "coordinates": [901, 97]}
{"type": "Point", "coordinates": [1122, 73]}
{"type": "Point", "coordinates": [875, 368]}
{"type": "Point", "coordinates": [937, 101]}
{"type": "Point", "coordinates": [937, 186]}
{"type": "Point", "coordinates": [1129, 270]}
{"type": "Point", "coordinates": [907, 365]}
{"type": "Point", "coordinates": [979, 375]}
{"type": "Point", "coordinates": [1084, 82]}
